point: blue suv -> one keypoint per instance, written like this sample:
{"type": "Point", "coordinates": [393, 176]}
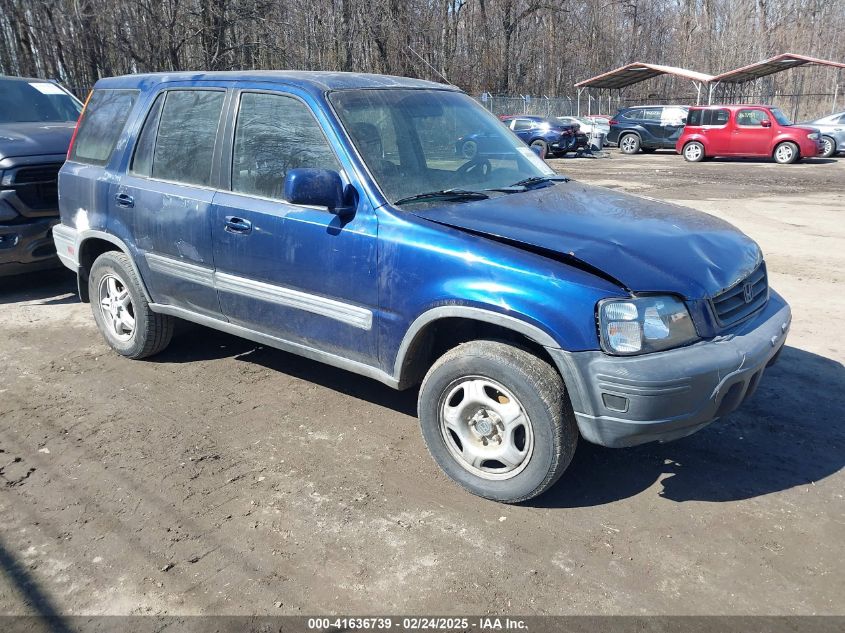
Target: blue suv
{"type": "Point", "coordinates": [328, 214]}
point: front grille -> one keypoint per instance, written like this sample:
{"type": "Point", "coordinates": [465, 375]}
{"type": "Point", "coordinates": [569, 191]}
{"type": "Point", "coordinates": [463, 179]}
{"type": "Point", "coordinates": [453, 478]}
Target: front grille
{"type": "Point", "coordinates": [37, 186]}
{"type": "Point", "coordinates": [38, 174]}
{"type": "Point", "coordinates": [736, 303]}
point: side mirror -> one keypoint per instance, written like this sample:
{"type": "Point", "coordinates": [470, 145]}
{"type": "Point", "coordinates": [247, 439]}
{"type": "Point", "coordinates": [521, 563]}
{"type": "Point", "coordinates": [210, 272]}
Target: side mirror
{"type": "Point", "coordinates": [317, 188]}
{"type": "Point", "coordinates": [766, 123]}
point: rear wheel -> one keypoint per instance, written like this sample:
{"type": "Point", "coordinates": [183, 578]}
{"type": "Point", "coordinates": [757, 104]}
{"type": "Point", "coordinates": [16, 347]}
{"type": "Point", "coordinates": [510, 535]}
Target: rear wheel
{"type": "Point", "coordinates": [629, 144]}
{"type": "Point", "coordinates": [121, 310]}
{"type": "Point", "coordinates": [496, 419]}
{"type": "Point", "coordinates": [694, 152]}
{"type": "Point", "coordinates": [829, 147]}
{"type": "Point", "coordinates": [542, 145]}
{"type": "Point", "coordinates": [786, 153]}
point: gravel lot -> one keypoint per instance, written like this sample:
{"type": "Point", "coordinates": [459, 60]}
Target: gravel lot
{"type": "Point", "coordinates": [223, 477]}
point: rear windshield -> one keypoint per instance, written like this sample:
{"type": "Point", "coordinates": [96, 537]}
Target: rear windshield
{"type": "Point", "coordinates": [101, 125]}
{"type": "Point", "coordinates": [24, 101]}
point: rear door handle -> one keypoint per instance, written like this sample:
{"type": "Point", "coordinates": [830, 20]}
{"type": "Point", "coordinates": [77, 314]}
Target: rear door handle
{"type": "Point", "coordinates": [125, 200]}
{"type": "Point", "coordinates": [237, 225]}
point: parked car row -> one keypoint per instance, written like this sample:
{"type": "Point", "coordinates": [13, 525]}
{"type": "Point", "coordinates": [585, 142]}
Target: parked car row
{"type": "Point", "coordinates": [702, 132]}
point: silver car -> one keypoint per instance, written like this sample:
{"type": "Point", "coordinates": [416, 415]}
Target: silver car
{"type": "Point", "coordinates": [832, 129]}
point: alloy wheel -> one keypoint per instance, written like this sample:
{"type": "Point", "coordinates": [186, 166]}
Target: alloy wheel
{"type": "Point", "coordinates": [116, 307]}
{"type": "Point", "coordinates": [784, 153]}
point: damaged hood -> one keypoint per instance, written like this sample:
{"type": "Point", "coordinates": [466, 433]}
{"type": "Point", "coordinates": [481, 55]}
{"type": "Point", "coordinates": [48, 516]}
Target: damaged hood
{"type": "Point", "coordinates": [643, 244]}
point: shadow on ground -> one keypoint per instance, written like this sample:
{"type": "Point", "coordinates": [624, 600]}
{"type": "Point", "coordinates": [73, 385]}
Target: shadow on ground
{"type": "Point", "coordinates": [193, 342]}
{"type": "Point", "coordinates": [34, 597]}
{"type": "Point", "coordinates": [51, 286]}
{"type": "Point", "coordinates": [790, 433]}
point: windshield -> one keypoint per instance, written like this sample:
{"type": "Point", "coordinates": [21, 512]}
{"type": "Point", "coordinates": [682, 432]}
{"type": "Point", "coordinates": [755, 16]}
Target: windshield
{"type": "Point", "coordinates": [780, 117]}
{"type": "Point", "coordinates": [24, 101]}
{"type": "Point", "coordinates": [420, 141]}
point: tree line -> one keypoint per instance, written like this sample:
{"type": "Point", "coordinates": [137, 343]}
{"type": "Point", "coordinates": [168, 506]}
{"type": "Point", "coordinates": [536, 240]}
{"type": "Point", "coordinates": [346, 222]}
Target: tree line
{"type": "Point", "coordinates": [537, 47]}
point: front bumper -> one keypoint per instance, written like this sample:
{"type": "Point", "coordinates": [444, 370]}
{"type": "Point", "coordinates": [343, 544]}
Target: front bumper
{"type": "Point", "coordinates": [624, 401]}
{"type": "Point", "coordinates": [27, 247]}
{"type": "Point", "coordinates": [809, 148]}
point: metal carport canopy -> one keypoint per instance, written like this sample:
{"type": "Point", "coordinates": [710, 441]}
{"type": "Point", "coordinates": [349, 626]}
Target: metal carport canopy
{"type": "Point", "coordinates": [784, 61]}
{"type": "Point", "coordinates": [639, 71]}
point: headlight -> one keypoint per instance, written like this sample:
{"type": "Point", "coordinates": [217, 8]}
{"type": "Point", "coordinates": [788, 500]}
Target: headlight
{"type": "Point", "coordinates": [813, 136]}
{"type": "Point", "coordinates": [644, 324]}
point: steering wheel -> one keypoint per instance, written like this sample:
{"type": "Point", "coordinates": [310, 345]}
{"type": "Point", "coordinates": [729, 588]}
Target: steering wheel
{"type": "Point", "coordinates": [475, 166]}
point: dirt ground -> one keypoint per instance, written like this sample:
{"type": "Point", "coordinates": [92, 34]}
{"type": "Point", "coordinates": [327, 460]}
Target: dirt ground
{"type": "Point", "coordinates": [224, 477]}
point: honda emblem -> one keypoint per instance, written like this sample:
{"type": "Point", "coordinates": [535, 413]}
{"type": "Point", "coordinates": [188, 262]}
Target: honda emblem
{"type": "Point", "coordinates": [748, 292]}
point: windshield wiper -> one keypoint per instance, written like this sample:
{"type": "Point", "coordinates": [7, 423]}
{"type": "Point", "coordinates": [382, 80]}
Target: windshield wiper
{"type": "Point", "coordinates": [536, 180]}
{"type": "Point", "coordinates": [444, 194]}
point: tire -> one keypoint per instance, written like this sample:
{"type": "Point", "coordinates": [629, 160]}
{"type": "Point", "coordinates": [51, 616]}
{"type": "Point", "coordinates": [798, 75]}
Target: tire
{"type": "Point", "coordinates": [116, 293]}
{"type": "Point", "coordinates": [544, 147]}
{"type": "Point", "coordinates": [693, 152]}
{"type": "Point", "coordinates": [629, 143]}
{"type": "Point", "coordinates": [469, 149]}
{"type": "Point", "coordinates": [829, 147]}
{"type": "Point", "coordinates": [478, 386]}
{"type": "Point", "coordinates": [786, 153]}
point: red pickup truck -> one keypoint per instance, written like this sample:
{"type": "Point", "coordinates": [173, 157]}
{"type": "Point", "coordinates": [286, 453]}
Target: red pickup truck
{"type": "Point", "coordinates": [746, 130]}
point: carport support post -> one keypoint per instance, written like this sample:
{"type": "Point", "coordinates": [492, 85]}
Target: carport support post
{"type": "Point", "coordinates": [697, 85]}
{"type": "Point", "coordinates": [711, 90]}
{"type": "Point", "coordinates": [578, 97]}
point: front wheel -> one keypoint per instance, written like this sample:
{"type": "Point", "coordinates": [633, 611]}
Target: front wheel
{"type": "Point", "coordinates": [786, 153]}
{"type": "Point", "coordinates": [829, 147]}
{"type": "Point", "coordinates": [121, 310]}
{"type": "Point", "coordinates": [496, 419]}
{"type": "Point", "coordinates": [694, 152]}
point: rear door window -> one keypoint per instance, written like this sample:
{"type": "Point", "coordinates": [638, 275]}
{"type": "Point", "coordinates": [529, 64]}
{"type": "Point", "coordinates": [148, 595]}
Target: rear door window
{"type": "Point", "coordinates": [633, 114]}
{"type": "Point", "coordinates": [187, 133]}
{"type": "Point", "coordinates": [710, 117]}
{"type": "Point", "coordinates": [275, 133]}
{"type": "Point", "coordinates": [101, 125]}
{"type": "Point", "coordinates": [719, 117]}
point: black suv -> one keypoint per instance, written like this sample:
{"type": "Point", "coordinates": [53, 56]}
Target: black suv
{"type": "Point", "coordinates": [37, 119]}
{"type": "Point", "coordinates": [647, 128]}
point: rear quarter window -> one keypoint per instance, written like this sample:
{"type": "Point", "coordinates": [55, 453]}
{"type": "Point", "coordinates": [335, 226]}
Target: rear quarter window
{"type": "Point", "coordinates": [102, 123]}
